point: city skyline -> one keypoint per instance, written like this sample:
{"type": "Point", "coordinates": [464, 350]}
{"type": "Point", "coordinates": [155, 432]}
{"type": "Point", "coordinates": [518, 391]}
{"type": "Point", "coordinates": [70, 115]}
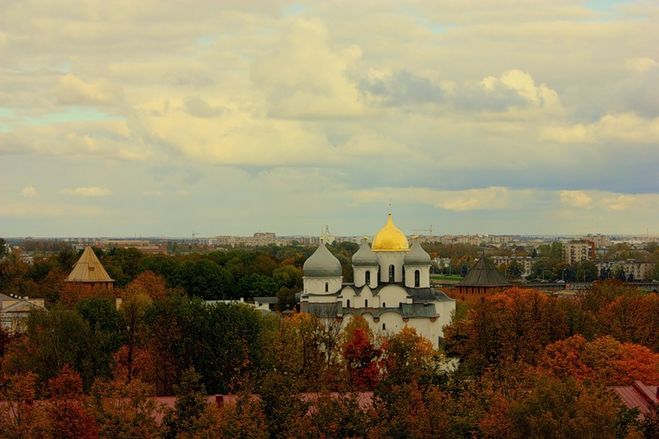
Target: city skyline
{"type": "Point", "coordinates": [150, 119]}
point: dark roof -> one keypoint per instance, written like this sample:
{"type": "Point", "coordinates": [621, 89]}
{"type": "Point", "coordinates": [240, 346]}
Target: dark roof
{"type": "Point", "coordinates": [484, 274]}
{"type": "Point", "coordinates": [640, 396]}
{"type": "Point", "coordinates": [322, 263]}
{"type": "Point", "coordinates": [419, 295]}
{"type": "Point", "coordinates": [365, 256]}
{"type": "Point", "coordinates": [266, 299]}
{"type": "Point", "coordinates": [417, 255]}
{"type": "Point", "coordinates": [406, 310]}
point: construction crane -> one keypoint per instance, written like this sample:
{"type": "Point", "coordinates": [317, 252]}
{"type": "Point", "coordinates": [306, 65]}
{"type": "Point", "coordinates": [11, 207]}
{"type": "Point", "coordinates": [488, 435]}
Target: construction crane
{"type": "Point", "coordinates": [428, 230]}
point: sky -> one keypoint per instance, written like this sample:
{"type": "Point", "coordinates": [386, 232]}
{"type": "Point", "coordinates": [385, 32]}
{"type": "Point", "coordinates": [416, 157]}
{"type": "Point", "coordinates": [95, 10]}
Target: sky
{"type": "Point", "coordinates": [168, 117]}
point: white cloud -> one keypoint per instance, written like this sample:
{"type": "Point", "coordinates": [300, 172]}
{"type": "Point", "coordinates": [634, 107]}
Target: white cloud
{"type": "Point", "coordinates": [620, 127]}
{"type": "Point", "coordinates": [641, 65]}
{"type": "Point", "coordinates": [88, 191]}
{"type": "Point", "coordinates": [72, 90]}
{"type": "Point", "coordinates": [29, 192]}
{"type": "Point", "coordinates": [306, 78]}
{"type": "Point", "coordinates": [523, 84]}
{"type": "Point", "coordinates": [458, 200]}
{"type": "Point", "coordinates": [575, 198]}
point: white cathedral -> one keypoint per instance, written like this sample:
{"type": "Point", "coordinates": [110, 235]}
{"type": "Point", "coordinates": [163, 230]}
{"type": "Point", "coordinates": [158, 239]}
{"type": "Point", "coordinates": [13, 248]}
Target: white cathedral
{"type": "Point", "coordinates": [391, 287]}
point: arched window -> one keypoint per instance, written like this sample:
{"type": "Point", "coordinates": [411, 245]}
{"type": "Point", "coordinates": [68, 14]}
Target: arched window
{"type": "Point", "coordinates": [417, 278]}
{"type": "Point", "coordinates": [348, 304]}
{"type": "Point", "coordinates": [326, 287]}
{"type": "Point", "coordinates": [384, 305]}
{"type": "Point", "coordinates": [384, 327]}
{"type": "Point", "coordinates": [368, 278]}
{"type": "Point", "coordinates": [365, 303]}
{"type": "Point", "coordinates": [391, 273]}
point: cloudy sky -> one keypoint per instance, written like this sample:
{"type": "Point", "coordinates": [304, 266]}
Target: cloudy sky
{"type": "Point", "coordinates": [164, 117]}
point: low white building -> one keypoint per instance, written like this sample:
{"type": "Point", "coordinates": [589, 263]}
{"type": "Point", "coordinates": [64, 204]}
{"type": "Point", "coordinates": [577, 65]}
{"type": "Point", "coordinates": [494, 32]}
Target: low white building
{"type": "Point", "coordinates": [14, 312]}
{"type": "Point", "coordinates": [391, 287]}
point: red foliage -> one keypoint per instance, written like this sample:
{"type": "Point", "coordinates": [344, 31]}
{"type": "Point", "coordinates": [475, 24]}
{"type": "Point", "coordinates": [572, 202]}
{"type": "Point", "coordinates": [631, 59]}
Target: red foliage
{"type": "Point", "coordinates": [604, 360]}
{"type": "Point", "coordinates": [362, 359]}
{"type": "Point", "coordinates": [632, 318]}
{"type": "Point", "coordinates": [70, 415]}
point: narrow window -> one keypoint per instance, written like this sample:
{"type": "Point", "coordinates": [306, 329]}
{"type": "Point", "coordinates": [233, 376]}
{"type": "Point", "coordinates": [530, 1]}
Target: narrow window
{"type": "Point", "coordinates": [368, 278]}
{"type": "Point", "coordinates": [384, 327]}
{"type": "Point", "coordinates": [391, 273]}
{"type": "Point", "coordinates": [417, 279]}
{"type": "Point", "coordinates": [365, 303]}
{"type": "Point", "coordinates": [326, 287]}
{"type": "Point", "coordinates": [348, 304]}
{"type": "Point", "coordinates": [384, 305]}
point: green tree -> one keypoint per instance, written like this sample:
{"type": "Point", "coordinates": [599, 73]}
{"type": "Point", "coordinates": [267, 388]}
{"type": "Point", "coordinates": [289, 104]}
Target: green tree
{"type": "Point", "coordinates": [107, 333]}
{"type": "Point", "coordinates": [186, 418]}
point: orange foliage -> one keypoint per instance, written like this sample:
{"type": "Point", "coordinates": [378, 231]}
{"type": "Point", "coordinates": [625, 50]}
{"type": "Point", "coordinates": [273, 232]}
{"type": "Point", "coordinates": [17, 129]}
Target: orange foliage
{"type": "Point", "coordinates": [69, 414]}
{"type": "Point", "coordinates": [604, 360]}
{"type": "Point", "coordinates": [147, 283]}
{"type": "Point", "coordinates": [74, 293]}
{"type": "Point", "coordinates": [143, 364]}
{"type": "Point", "coordinates": [632, 318]}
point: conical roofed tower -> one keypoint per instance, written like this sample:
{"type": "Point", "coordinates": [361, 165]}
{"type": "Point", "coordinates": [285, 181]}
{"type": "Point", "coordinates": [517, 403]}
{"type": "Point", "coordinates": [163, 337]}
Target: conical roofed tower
{"type": "Point", "coordinates": [89, 271]}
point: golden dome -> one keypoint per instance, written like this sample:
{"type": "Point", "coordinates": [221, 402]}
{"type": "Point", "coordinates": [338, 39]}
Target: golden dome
{"type": "Point", "coordinates": [390, 238]}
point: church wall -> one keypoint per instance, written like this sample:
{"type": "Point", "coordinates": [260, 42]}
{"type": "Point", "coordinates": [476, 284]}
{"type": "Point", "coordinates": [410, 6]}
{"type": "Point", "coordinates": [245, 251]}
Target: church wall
{"type": "Point", "coordinates": [391, 258]}
{"type": "Point", "coordinates": [424, 275]}
{"type": "Point", "coordinates": [324, 298]}
{"type": "Point", "coordinates": [445, 311]}
{"type": "Point", "coordinates": [393, 295]}
{"type": "Point", "coordinates": [316, 285]}
{"type": "Point", "coordinates": [394, 323]}
{"type": "Point", "coordinates": [359, 275]}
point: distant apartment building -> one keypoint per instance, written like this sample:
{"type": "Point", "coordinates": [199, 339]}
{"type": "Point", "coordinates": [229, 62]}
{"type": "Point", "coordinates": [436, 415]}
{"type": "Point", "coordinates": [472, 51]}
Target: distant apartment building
{"type": "Point", "coordinates": [600, 241]}
{"type": "Point", "coordinates": [259, 239]}
{"type": "Point", "coordinates": [577, 251]}
{"type": "Point", "coordinates": [633, 269]}
{"type": "Point", "coordinates": [461, 239]}
{"type": "Point", "coordinates": [144, 246]}
{"type": "Point", "coordinates": [526, 262]}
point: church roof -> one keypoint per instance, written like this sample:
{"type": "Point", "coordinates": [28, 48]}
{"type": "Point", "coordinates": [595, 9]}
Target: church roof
{"type": "Point", "coordinates": [88, 269]}
{"type": "Point", "coordinates": [484, 274]}
{"type": "Point", "coordinates": [390, 238]}
{"type": "Point", "coordinates": [365, 256]}
{"type": "Point", "coordinates": [322, 263]}
{"type": "Point", "coordinates": [417, 255]}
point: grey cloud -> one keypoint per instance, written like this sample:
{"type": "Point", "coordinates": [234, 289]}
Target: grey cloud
{"type": "Point", "coordinates": [197, 106]}
{"type": "Point", "coordinates": [402, 88]}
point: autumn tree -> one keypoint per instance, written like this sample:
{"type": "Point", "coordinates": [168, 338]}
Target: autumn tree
{"type": "Point", "coordinates": [632, 318]}
{"type": "Point", "coordinates": [19, 416]}
{"type": "Point", "coordinates": [408, 356]}
{"type": "Point", "coordinates": [70, 416]}
{"type": "Point", "coordinates": [511, 326]}
{"type": "Point", "coordinates": [361, 356]}
{"type": "Point", "coordinates": [243, 420]}
{"type": "Point", "coordinates": [604, 360]}
{"type": "Point", "coordinates": [187, 419]}
{"type": "Point", "coordinates": [125, 410]}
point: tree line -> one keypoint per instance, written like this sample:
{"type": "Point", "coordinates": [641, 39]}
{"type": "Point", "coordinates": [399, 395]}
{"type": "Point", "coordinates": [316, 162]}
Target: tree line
{"type": "Point", "coordinates": [519, 364]}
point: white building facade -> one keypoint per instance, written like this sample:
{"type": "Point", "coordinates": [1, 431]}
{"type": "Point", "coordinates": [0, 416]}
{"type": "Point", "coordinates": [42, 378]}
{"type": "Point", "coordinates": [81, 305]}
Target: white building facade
{"type": "Point", "coordinates": [391, 287]}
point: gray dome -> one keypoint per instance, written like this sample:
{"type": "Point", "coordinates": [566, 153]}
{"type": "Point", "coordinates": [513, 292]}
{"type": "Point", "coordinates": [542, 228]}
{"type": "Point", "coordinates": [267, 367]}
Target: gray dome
{"type": "Point", "coordinates": [365, 257]}
{"type": "Point", "coordinates": [417, 255]}
{"type": "Point", "coordinates": [322, 263]}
